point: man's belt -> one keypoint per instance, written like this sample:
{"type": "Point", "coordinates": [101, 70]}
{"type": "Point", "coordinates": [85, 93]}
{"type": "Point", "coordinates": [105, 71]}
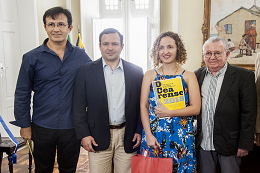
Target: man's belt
{"type": "Point", "coordinates": [117, 126]}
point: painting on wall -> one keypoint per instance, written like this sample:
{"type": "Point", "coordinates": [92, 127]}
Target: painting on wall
{"type": "Point", "coordinates": [237, 21]}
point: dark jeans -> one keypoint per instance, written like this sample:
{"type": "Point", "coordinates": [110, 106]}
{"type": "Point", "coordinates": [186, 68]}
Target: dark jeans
{"type": "Point", "coordinates": [46, 141]}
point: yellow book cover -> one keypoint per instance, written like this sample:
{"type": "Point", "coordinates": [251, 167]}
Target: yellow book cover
{"type": "Point", "coordinates": [170, 93]}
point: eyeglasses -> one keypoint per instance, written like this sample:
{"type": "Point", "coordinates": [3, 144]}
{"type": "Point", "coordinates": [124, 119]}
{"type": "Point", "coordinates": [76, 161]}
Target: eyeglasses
{"type": "Point", "coordinates": [216, 54]}
{"type": "Point", "coordinates": [59, 25]}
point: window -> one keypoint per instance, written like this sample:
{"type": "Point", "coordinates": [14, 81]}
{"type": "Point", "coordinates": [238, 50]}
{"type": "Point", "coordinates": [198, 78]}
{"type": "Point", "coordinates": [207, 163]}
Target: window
{"type": "Point", "coordinates": [142, 4]}
{"type": "Point", "coordinates": [228, 29]}
{"type": "Point", "coordinates": [136, 22]}
{"type": "Point", "coordinates": [109, 7]}
{"type": "Point", "coordinates": [249, 24]}
{"type": "Point", "coordinates": [141, 8]}
{"type": "Point", "coordinates": [111, 4]}
{"type": "Point", "coordinates": [138, 53]}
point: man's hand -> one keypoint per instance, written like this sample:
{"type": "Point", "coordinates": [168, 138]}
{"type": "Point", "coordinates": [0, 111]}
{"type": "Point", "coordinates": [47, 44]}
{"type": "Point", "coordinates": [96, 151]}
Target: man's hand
{"type": "Point", "coordinates": [26, 134]}
{"type": "Point", "coordinates": [87, 143]}
{"type": "Point", "coordinates": [257, 139]}
{"type": "Point", "coordinates": [242, 153]}
{"type": "Point", "coordinates": [137, 138]}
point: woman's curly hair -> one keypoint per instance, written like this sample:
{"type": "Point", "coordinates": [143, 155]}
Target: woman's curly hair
{"type": "Point", "coordinates": [181, 55]}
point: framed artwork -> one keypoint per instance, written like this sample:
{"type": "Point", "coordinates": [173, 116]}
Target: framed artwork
{"type": "Point", "coordinates": [238, 22]}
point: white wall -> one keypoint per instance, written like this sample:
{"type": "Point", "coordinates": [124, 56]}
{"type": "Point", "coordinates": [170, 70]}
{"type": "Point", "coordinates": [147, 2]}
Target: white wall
{"type": "Point", "coordinates": [190, 23]}
{"type": "Point", "coordinates": [28, 27]}
{"type": "Point", "coordinates": [167, 15]}
{"type": "Point", "coordinates": [185, 17]}
{"type": "Point", "coordinates": [89, 9]}
{"type": "Point", "coordinates": [76, 20]}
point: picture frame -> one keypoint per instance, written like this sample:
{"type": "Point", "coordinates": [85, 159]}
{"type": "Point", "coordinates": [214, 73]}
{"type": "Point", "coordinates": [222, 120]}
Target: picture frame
{"type": "Point", "coordinates": [228, 24]}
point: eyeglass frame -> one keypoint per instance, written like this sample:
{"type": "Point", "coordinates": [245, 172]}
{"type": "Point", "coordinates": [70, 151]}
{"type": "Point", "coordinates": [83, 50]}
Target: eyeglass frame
{"type": "Point", "coordinates": [220, 54]}
{"type": "Point", "coordinates": [59, 25]}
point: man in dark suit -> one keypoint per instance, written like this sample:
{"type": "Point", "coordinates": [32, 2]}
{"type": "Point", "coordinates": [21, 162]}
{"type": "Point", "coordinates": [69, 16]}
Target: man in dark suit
{"type": "Point", "coordinates": [109, 88]}
{"type": "Point", "coordinates": [227, 120]}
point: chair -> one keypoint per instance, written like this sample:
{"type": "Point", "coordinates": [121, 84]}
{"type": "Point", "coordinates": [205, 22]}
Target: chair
{"type": "Point", "coordinates": [7, 146]}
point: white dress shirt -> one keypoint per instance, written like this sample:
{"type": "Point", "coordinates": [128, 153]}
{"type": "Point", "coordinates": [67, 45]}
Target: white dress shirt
{"type": "Point", "coordinates": [115, 86]}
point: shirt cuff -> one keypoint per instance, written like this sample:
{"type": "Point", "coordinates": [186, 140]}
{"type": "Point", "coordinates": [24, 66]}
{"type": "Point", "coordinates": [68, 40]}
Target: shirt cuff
{"type": "Point", "coordinates": [20, 124]}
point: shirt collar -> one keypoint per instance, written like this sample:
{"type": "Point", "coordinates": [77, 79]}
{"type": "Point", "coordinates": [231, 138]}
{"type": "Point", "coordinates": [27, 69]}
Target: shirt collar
{"type": "Point", "coordinates": [45, 48]}
{"type": "Point", "coordinates": [221, 71]}
{"type": "Point", "coordinates": [120, 64]}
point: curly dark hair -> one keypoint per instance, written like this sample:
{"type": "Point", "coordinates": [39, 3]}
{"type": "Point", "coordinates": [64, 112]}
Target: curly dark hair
{"type": "Point", "coordinates": [181, 55]}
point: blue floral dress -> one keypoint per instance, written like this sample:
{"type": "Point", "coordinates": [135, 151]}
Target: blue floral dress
{"type": "Point", "coordinates": [175, 134]}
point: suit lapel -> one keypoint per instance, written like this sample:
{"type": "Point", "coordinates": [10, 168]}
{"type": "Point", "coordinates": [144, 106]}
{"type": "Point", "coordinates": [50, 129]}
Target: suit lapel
{"type": "Point", "coordinates": [99, 74]}
{"type": "Point", "coordinates": [128, 80]}
{"type": "Point", "coordinates": [201, 77]}
{"type": "Point", "coordinates": [226, 84]}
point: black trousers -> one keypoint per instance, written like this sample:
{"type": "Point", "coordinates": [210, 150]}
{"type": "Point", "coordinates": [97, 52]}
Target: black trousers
{"type": "Point", "coordinates": [46, 141]}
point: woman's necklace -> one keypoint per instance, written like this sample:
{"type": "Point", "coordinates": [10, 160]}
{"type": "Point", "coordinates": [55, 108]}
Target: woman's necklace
{"type": "Point", "coordinates": [162, 76]}
{"type": "Point", "coordinates": [174, 73]}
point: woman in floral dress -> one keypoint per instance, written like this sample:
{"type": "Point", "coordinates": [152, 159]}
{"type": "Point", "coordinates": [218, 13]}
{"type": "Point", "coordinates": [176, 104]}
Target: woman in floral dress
{"type": "Point", "coordinates": [169, 133]}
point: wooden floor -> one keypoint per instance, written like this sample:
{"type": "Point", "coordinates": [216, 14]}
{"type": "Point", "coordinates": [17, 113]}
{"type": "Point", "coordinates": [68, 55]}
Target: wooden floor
{"type": "Point", "coordinates": [250, 163]}
{"type": "Point", "coordinates": [22, 163]}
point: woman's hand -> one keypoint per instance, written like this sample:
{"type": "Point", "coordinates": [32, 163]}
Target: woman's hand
{"type": "Point", "coordinates": [161, 111]}
{"type": "Point", "coordinates": [152, 141]}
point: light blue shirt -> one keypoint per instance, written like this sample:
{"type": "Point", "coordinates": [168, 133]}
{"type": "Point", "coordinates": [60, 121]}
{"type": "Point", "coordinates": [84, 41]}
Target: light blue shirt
{"type": "Point", "coordinates": [207, 114]}
{"type": "Point", "coordinates": [115, 86]}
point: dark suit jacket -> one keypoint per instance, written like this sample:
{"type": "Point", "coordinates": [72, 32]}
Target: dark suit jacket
{"type": "Point", "coordinates": [235, 114]}
{"type": "Point", "coordinates": [90, 92]}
